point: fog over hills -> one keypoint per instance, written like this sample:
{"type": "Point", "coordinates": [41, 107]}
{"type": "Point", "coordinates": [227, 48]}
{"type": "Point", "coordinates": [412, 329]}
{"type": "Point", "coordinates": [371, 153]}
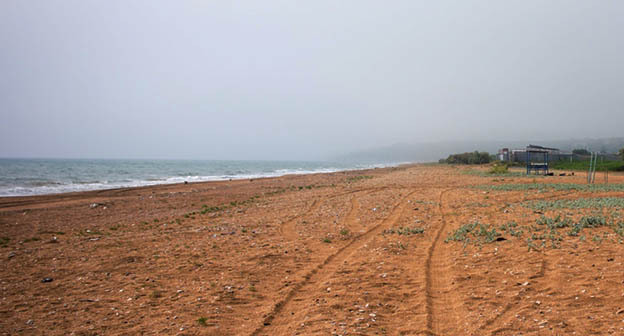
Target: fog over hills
{"type": "Point", "coordinates": [428, 152]}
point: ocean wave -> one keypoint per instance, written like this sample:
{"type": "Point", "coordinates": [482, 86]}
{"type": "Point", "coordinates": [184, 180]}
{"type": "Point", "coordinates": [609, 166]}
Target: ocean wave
{"type": "Point", "coordinates": [55, 187]}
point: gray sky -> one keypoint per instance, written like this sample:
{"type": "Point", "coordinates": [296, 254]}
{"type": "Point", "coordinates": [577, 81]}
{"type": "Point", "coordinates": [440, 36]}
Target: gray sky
{"type": "Point", "coordinates": [296, 80]}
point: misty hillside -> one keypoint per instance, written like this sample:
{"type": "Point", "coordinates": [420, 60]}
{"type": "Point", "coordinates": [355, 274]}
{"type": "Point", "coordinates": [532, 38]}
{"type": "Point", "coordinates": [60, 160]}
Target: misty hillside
{"type": "Point", "coordinates": [428, 152]}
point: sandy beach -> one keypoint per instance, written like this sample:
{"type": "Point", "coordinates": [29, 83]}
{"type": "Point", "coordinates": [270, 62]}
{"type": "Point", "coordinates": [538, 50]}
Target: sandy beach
{"type": "Point", "coordinates": [373, 252]}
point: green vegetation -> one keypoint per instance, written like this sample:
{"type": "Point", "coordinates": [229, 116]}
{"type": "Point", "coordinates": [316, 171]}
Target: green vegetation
{"type": "Point", "coordinates": [499, 168]}
{"type": "Point", "coordinates": [358, 178]}
{"type": "Point", "coordinates": [326, 240]}
{"type": "Point", "coordinates": [344, 232]}
{"type": "Point", "coordinates": [206, 209]}
{"type": "Point", "coordinates": [552, 187]}
{"type": "Point", "coordinates": [584, 165]}
{"type": "Point", "coordinates": [202, 321]}
{"type": "Point", "coordinates": [580, 203]}
{"type": "Point", "coordinates": [4, 241]}
{"type": "Point", "coordinates": [475, 157]}
{"type": "Point", "coordinates": [546, 230]}
{"type": "Point", "coordinates": [490, 173]}
{"type": "Point", "coordinates": [405, 231]}
{"type": "Point", "coordinates": [398, 245]}
{"type": "Point", "coordinates": [480, 233]}
{"type": "Point", "coordinates": [512, 229]}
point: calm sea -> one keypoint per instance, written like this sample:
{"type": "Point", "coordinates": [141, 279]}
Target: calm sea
{"type": "Point", "coordinates": [19, 177]}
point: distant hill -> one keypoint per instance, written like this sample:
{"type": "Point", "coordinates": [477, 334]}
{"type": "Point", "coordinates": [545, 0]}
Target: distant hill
{"type": "Point", "coordinates": [428, 152]}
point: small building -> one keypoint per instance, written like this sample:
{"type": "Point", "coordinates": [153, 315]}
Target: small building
{"type": "Point", "coordinates": [503, 155]}
{"type": "Point", "coordinates": [537, 159]}
{"type": "Point", "coordinates": [521, 155]}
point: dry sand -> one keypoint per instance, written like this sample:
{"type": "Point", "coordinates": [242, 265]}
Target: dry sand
{"type": "Point", "coordinates": [303, 255]}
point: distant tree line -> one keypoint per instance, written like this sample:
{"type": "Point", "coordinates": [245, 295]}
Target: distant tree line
{"type": "Point", "coordinates": [475, 157]}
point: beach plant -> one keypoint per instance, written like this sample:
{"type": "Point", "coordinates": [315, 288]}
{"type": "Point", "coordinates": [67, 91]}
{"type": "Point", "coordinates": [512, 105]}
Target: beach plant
{"type": "Point", "coordinates": [480, 233]}
{"type": "Point", "coordinates": [619, 228]}
{"type": "Point", "coordinates": [405, 231]}
{"type": "Point", "coordinates": [531, 245]}
{"type": "Point", "coordinates": [551, 187]}
{"type": "Point", "coordinates": [490, 173]}
{"type": "Point", "coordinates": [499, 168]}
{"type": "Point", "coordinates": [512, 229]}
{"type": "Point", "coordinates": [358, 178]}
{"type": "Point", "coordinates": [478, 205]}
{"type": "Point", "coordinates": [544, 232]}
{"type": "Point", "coordinates": [579, 203]}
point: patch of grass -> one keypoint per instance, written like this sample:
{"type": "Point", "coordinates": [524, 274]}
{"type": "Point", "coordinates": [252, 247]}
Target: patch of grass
{"type": "Point", "coordinates": [512, 229]}
{"type": "Point", "coordinates": [474, 232]}
{"type": "Point", "coordinates": [499, 168]}
{"type": "Point", "coordinates": [477, 205]}
{"type": "Point", "coordinates": [551, 187]}
{"type": "Point", "coordinates": [206, 209]}
{"type": "Point", "coordinates": [344, 232]}
{"type": "Point", "coordinates": [584, 165]}
{"type": "Point", "coordinates": [588, 222]}
{"type": "Point", "coordinates": [619, 228]}
{"type": "Point", "coordinates": [202, 321]}
{"type": "Point", "coordinates": [398, 245]}
{"type": "Point", "coordinates": [482, 173]}
{"type": "Point", "coordinates": [326, 240]}
{"type": "Point", "coordinates": [358, 178]}
{"type": "Point", "coordinates": [4, 241]}
{"type": "Point", "coordinates": [579, 203]}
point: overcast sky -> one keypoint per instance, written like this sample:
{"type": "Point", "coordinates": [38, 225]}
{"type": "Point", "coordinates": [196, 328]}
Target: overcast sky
{"type": "Point", "coordinates": [302, 79]}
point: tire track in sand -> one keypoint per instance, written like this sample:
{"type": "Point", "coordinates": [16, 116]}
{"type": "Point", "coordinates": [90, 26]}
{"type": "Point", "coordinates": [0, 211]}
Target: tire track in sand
{"type": "Point", "coordinates": [499, 322]}
{"type": "Point", "coordinates": [442, 304]}
{"type": "Point", "coordinates": [328, 267]}
{"type": "Point", "coordinates": [288, 228]}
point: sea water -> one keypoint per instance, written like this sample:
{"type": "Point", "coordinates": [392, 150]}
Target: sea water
{"type": "Point", "coordinates": [20, 177]}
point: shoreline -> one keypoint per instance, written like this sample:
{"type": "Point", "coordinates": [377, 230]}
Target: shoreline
{"type": "Point", "coordinates": [21, 201]}
{"type": "Point", "coordinates": [175, 180]}
{"type": "Point", "coordinates": [261, 257]}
